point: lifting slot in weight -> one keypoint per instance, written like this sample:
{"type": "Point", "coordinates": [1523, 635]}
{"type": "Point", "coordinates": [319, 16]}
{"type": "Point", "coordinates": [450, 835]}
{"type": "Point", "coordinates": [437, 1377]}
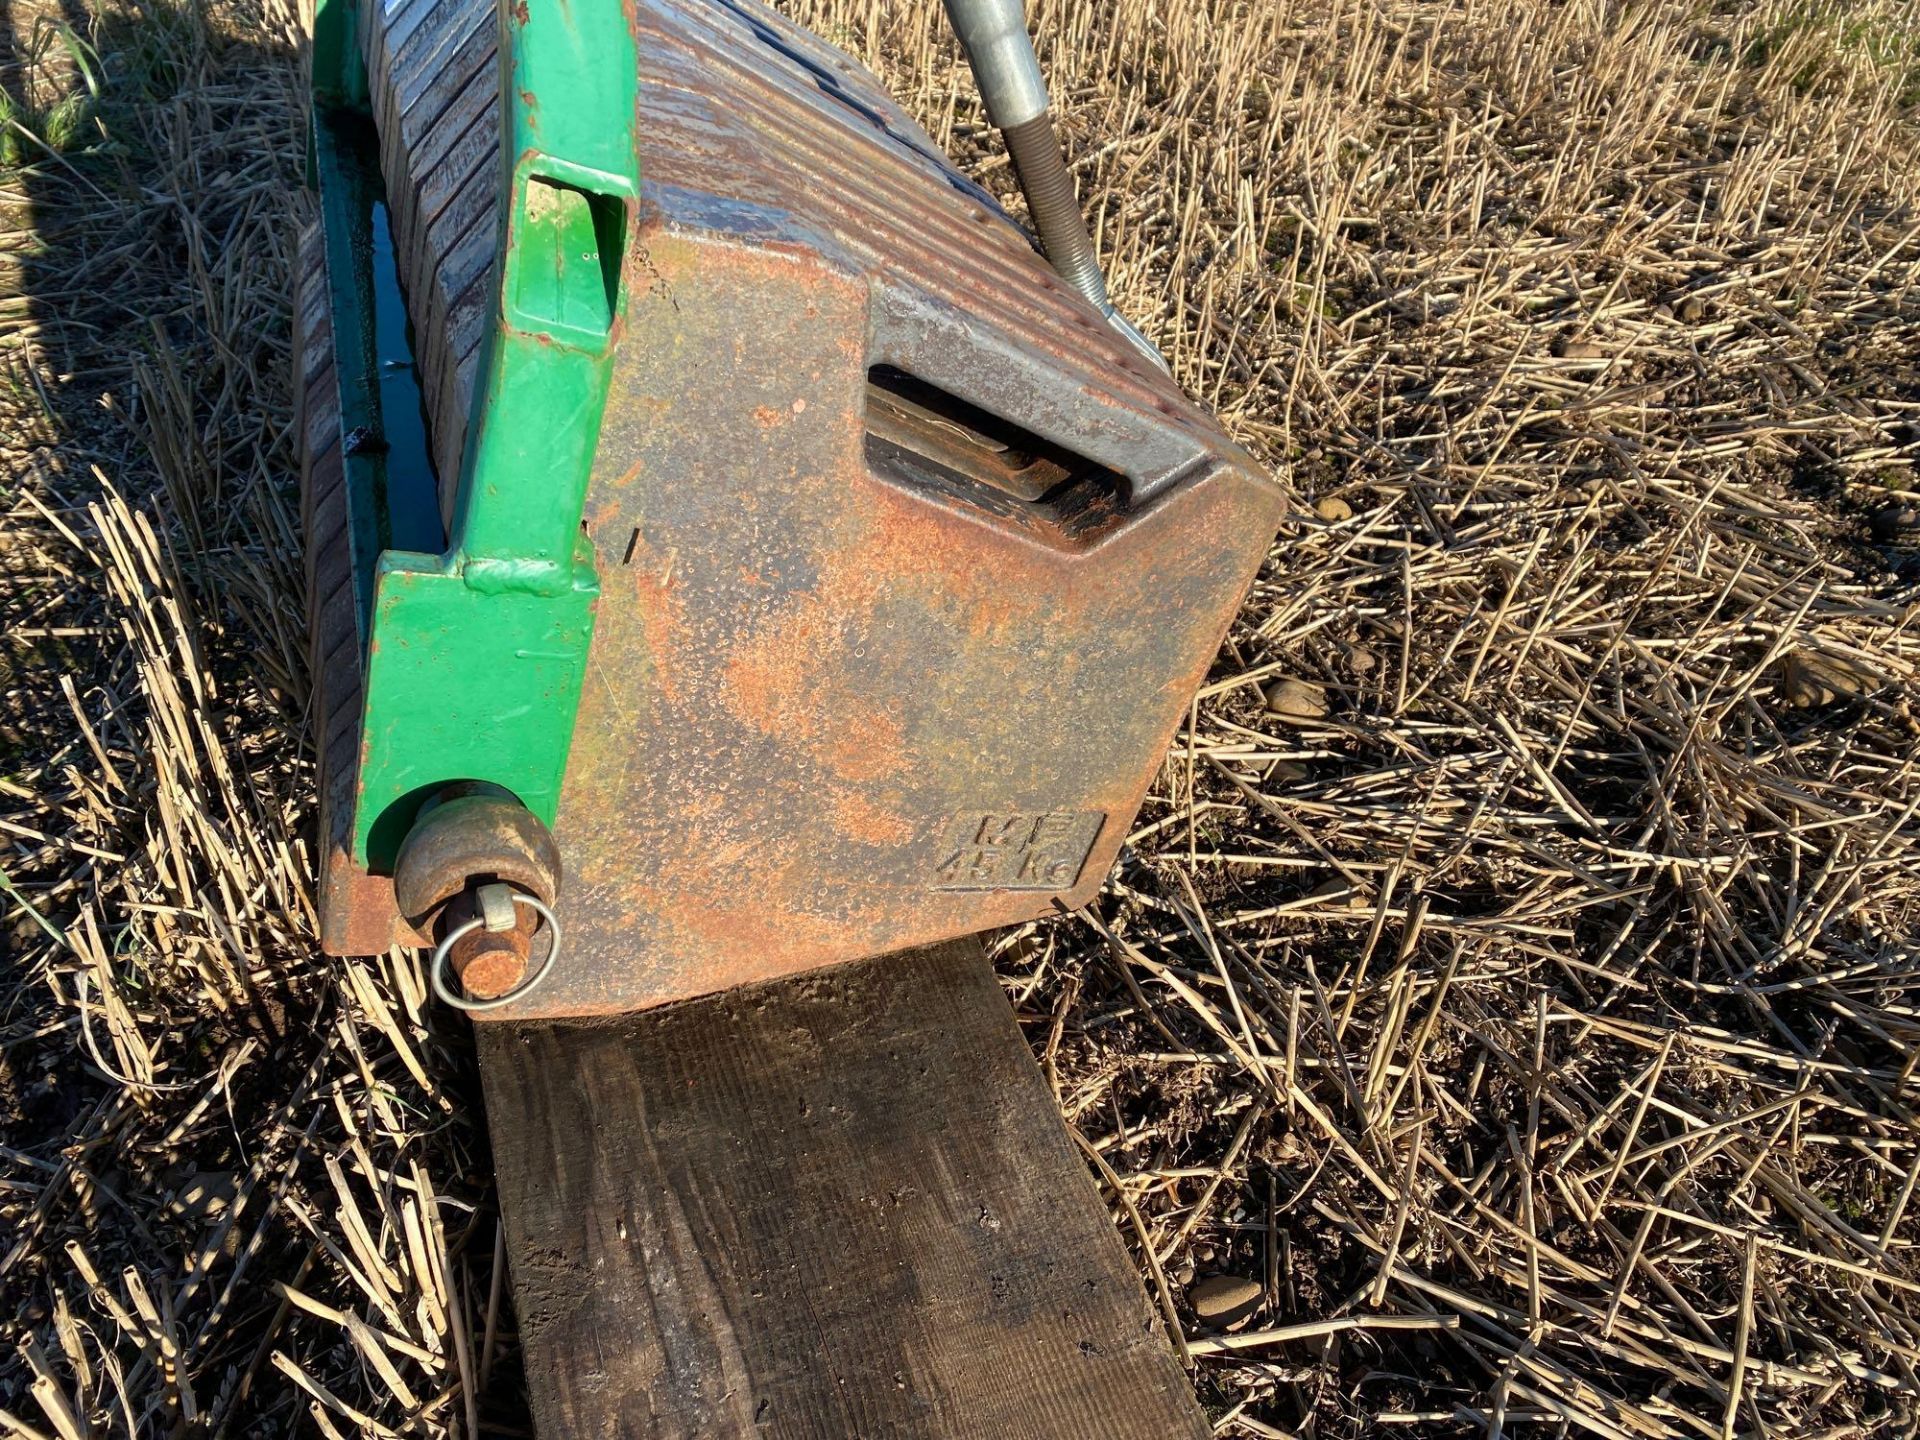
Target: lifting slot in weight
{"type": "Point", "coordinates": [919, 435]}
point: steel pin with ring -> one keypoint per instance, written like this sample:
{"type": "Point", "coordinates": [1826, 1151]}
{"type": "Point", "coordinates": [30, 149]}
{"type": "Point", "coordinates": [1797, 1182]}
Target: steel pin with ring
{"type": "Point", "coordinates": [491, 910]}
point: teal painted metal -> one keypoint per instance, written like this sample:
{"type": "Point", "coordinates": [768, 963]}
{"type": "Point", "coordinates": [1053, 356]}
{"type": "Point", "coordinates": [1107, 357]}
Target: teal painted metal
{"type": "Point", "coordinates": [339, 75]}
{"type": "Point", "coordinates": [475, 656]}
{"type": "Point", "coordinates": [345, 203]}
{"type": "Point", "coordinates": [383, 442]}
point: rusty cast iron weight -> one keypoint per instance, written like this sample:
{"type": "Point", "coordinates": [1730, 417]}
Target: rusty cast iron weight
{"type": "Point", "coordinates": [800, 577]}
{"type": "Point", "coordinates": [893, 563]}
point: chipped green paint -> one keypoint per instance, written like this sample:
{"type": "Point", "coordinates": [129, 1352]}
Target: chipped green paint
{"type": "Point", "coordinates": [475, 656]}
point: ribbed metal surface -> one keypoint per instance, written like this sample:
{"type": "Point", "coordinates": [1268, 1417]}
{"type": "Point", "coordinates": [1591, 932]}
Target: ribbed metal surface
{"type": "Point", "coordinates": [433, 70]}
{"type": "Point", "coordinates": [796, 141]}
{"type": "Point", "coordinates": [356, 911]}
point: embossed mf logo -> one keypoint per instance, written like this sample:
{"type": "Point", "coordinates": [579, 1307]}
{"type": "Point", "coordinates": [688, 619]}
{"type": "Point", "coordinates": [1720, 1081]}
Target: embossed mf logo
{"type": "Point", "coordinates": [1015, 850]}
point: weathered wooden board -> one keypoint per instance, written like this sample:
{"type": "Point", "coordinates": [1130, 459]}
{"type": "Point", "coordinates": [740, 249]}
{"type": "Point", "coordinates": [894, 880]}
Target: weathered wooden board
{"type": "Point", "coordinates": [839, 1206]}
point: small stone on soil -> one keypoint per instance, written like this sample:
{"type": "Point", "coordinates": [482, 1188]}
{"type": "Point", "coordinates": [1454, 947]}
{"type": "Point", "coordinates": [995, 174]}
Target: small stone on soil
{"type": "Point", "coordinates": [1333, 509]}
{"type": "Point", "coordinates": [1579, 350]}
{"type": "Point", "coordinates": [1297, 699]}
{"type": "Point", "coordinates": [1222, 1300]}
{"type": "Point", "coordinates": [1897, 524]}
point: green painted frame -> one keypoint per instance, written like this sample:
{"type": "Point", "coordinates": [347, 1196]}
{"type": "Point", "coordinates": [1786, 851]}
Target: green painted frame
{"type": "Point", "coordinates": [475, 656]}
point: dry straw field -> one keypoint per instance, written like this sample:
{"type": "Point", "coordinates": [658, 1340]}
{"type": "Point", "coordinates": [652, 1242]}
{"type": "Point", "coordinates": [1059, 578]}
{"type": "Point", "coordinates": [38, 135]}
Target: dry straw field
{"type": "Point", "coordinates": [1513, 975]}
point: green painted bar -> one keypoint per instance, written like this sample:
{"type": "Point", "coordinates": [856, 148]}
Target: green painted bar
{"type": "Point", "coordinates": [475, 657]}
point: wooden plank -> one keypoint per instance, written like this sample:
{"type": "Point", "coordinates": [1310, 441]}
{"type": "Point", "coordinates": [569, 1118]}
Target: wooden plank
{"type": "Point", "coordinates": [839, 1206]}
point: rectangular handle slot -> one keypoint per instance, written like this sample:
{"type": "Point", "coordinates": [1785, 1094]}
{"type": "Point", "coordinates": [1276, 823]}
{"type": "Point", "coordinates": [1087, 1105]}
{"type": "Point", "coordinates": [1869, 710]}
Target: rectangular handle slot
{"type": "Point", "coordinates": [919, 435]}
{"type": "Point", "coordinates": [566, 266]}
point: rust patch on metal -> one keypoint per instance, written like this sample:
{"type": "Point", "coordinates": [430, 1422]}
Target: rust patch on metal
{"type": "Point", "coordinates": [856, 813]}
{"type": "Point", "coordinates": [467, 834]}
{"type": "Point", "coordinates": [488, 964]}
{"type": "Point", "coordinates": [848, 663]}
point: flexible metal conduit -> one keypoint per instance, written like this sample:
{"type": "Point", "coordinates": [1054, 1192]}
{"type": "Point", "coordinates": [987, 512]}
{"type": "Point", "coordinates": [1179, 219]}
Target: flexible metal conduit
{"type": "Point", "coordinates": [993, 33]}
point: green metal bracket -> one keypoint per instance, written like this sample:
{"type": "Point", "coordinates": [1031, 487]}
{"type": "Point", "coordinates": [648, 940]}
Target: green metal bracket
{"type": "Point", "coordinates": [475, 657]}
{"type": "Point", "coordinates": [339, 72]}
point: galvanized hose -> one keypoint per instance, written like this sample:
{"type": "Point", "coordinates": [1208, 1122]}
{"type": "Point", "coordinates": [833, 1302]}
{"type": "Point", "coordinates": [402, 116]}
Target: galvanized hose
{"type": "Point", "coordinates": [994, 35]}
